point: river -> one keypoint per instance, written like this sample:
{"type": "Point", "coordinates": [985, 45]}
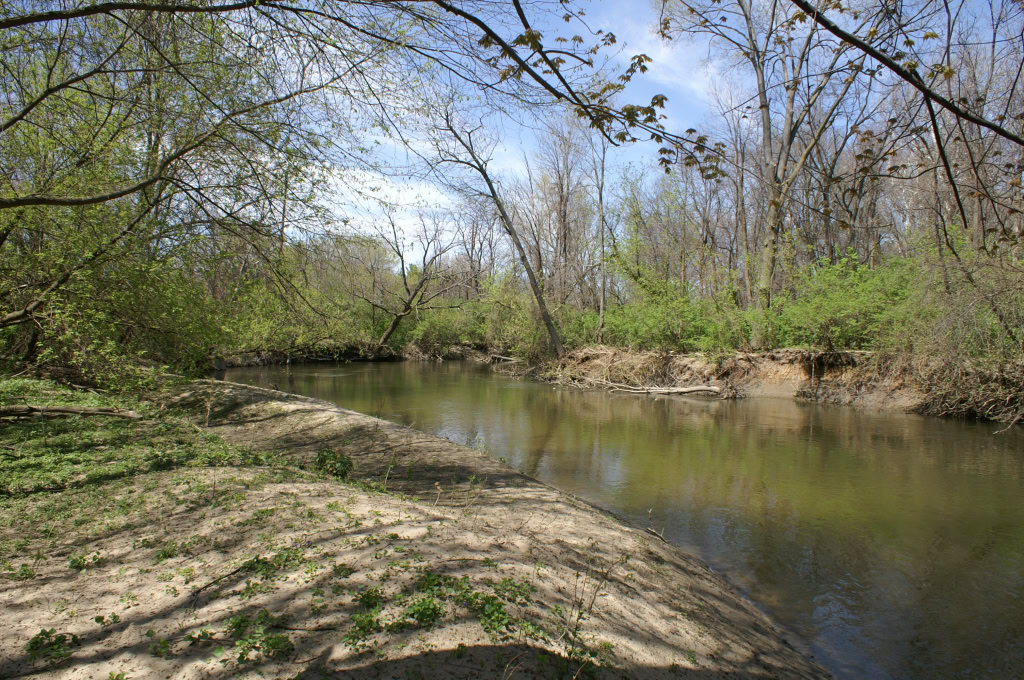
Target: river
{"type": "Point", "coordinates": [892, 545]}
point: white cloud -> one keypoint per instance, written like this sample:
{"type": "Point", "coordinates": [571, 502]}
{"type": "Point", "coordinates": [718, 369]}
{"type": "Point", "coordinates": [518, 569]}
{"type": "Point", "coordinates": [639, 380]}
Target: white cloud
{"type": "Point", "coordinates": [678, 69]}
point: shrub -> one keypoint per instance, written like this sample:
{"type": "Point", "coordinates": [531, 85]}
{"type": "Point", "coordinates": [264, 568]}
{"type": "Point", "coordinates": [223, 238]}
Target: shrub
{"type": "Point", "coordinates": [333, 463]}
{"type": "Point", "coordinates": [845, 305]}
{"type": "Point", "coordinates": [441, 329]}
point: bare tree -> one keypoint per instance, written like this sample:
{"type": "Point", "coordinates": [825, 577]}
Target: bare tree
{"type": "Point", "coordinates": [396, 286]}
{"type": "Point", "coordinates": [458, 146]}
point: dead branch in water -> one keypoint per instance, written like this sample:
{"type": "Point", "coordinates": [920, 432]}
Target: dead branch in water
{"type": "Point", "coordinates": [29, 411]}
{"type": "Point", "coordinates": [632, 389]}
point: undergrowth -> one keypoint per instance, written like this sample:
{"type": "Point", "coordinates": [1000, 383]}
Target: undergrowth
{"type": "Point", "coordinates": [60, 453]}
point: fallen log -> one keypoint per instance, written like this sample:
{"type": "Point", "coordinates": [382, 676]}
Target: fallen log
{"type": "Point", "coordinates": [697, 389]}
{"type": "Point", "coordinates": [497, 357]}
{"type": "Point", "coordinates": [30, 411]}
{"type": "Point", "coordinates": [632, 389]}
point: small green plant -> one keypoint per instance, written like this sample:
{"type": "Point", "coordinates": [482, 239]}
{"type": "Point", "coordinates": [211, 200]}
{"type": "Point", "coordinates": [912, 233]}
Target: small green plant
{"type": "Point", "coordinates": [50, 646]}
{"type": "Point", "coordinates": [371, 598]}
{"type": "Point", "coordinates": [168, 550]}
{"type": "Point", "coordinates": [204, 635]}
{"type": "Point", "coordinates": [364, 624]}
{"type": "Point", "coordinates": [490, 610]}
{"type": "Point", "coordinates": [252, 589]}
{"type": "Point", "coordinates": [22, 573]}
{"type": "Point", "coordinates": [159, 646]}
{"type": "Point", "coordinates": [253, 637]}
{"type": "Point", "coordinates": [333, 463]}
{"type": "Point", "coordinates": [104, 621]}
{"type": "Point", "coordinates": [517, 592]}
{"type": "Point", "coordinates": [80, 562]}
{"type": "Point", "coordinates": [424, 611]}
{"type": "Point", "coordinates": [259, 517]}
{"type": "Point", "coordinates": [268, 568]}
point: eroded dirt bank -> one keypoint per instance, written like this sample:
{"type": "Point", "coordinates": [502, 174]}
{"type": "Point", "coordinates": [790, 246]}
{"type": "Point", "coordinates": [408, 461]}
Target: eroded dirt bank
{"type": "Point", "coordinates": [844, 378]}
{"type": "Point", "coordinates": [439, 562]}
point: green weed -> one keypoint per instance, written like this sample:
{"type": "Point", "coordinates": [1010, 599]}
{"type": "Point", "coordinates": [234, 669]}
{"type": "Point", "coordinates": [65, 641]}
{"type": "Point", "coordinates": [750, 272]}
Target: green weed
{"type": "Point", "coordinates": [160, 647]}
{"type": "Point", "coordinates": [333, 463]}
{"type": "Point", "coordinates": [103, 621]}
{"type": "Point", "coordinates": [80, 562]}
{"type": "Point", "coordinates": [253, 636]}
{"type": "Point", "coordinates": [50, 646]}
{"type": "Point", "coordinates": [80, 452]}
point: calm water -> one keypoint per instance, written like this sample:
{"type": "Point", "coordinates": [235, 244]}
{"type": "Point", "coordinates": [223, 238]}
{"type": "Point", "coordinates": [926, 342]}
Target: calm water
{"type": "Point", "coordinates": [892, 544]}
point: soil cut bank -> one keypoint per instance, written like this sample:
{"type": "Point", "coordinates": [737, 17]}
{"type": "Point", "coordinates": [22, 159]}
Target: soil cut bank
{"type": "Point", "coordinates": [842, 378]}
{"type": "Point", "coordinates": [437, 562]}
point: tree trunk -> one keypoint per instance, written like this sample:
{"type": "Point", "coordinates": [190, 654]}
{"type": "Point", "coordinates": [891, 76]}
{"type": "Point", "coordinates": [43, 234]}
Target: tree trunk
{"type": "Point", "coordinates": [392, 327]}
{"type": "Point", "coordinates": [538, 294]}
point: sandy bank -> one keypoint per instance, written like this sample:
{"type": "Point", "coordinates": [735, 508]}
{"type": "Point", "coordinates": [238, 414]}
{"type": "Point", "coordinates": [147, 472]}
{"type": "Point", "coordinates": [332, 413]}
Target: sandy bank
{"type": "Point", "coordinates": [441, 562]}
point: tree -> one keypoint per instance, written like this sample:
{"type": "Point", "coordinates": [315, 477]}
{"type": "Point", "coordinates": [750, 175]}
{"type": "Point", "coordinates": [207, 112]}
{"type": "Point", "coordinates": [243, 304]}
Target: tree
{"type": "Point", "coordinates": [798, 72]}
{"type": "Point", "coordinates": [134, 132]}
{"type": "Point", "coordinates": [456, 146]}
{"type": "Point", "coordinates": [413, 287]}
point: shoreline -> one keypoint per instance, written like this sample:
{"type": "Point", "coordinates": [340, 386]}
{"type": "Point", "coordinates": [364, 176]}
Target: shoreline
{"type": "Point", "coordinates": [863, 380]}
{"type": "Point", "coordinates": [591, 592]}
{"type": "Point", "coordinates": [854, 379]}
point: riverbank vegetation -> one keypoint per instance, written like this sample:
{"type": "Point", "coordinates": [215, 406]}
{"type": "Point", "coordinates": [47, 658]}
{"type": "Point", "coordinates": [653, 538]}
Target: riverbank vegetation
{"type": "Point", "coordinates": [181, 184]}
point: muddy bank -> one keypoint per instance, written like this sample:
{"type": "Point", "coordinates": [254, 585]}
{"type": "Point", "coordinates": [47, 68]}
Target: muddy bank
{"type": "Point", "coordinates": [856, 379]}
{"type": "Point", "coordinates": [437, 562]}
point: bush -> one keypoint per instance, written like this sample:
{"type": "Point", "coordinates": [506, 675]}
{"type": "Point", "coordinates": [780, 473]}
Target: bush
{"type": "Point", "coordinates": [333, 463]}
{"type": "Point", "coordinates": [845, 305]}
{"type": "Point", "coordinates": [441, 329]}
{"type": "Point", "coordinates": [512, 324]}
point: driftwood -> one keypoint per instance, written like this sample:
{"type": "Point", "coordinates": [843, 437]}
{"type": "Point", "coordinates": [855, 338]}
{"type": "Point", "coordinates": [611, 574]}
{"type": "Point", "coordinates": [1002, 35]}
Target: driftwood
{"type": "Point", "coordinates": [617, 387]}
{"type": "Point", "coordinates": [497, 357]}
{"type": "Point", "coordinates": [29, 411]}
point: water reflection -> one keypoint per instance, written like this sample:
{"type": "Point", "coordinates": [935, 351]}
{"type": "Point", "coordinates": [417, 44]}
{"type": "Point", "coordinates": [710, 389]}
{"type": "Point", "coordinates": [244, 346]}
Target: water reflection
{"type": "Point", "coordinates": [893, 544]}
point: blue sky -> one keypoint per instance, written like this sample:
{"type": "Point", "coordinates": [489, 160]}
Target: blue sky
{"type": "Point", "coordinates": [677, 69]}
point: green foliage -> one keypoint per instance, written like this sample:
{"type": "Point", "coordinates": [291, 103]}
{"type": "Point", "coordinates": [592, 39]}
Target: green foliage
{"type": "Point", "coordinates": [845, 305]}
{"type": "Point", "coordinates": [22, 573]}
{"type": "Point", "coordinates": [441, 329]}
{"type": "Point", "coordinates": [78, 451]}
{"type": "Point", "coordinates": [512, 324]}
{"type": "Point", "coordinates": [514, 591]}
{"type": "Point", "coordinates": [50, 646]}
{"type": "Point", "coordinates": [424, 612]}
{"type": "Point", "coordinates": [159, 646]}
{"type": "Point", "coordinates": [334, 463]}
{"type": "Point", "coordinates": [364, 624]}
{"type": "Point", "coordinates": [490, 609]}
{"type": "Point", "coordinates": [126, 318]}
{"type": "Point", "coordinates": [253, 637]}
{"type": "Point", "coordinates": [665, 317]}
{"type": "Point", "coordinates": [268, 568]}
{"type": "Point", "coordinates": [371, 598]}
{"type": "Point", "coordinates": [80, 562]}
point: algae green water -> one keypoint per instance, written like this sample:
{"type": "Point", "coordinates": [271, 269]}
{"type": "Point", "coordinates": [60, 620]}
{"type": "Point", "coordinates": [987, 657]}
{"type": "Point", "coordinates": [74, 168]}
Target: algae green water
{"type": "Point", "coordinates": [892, 545]}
